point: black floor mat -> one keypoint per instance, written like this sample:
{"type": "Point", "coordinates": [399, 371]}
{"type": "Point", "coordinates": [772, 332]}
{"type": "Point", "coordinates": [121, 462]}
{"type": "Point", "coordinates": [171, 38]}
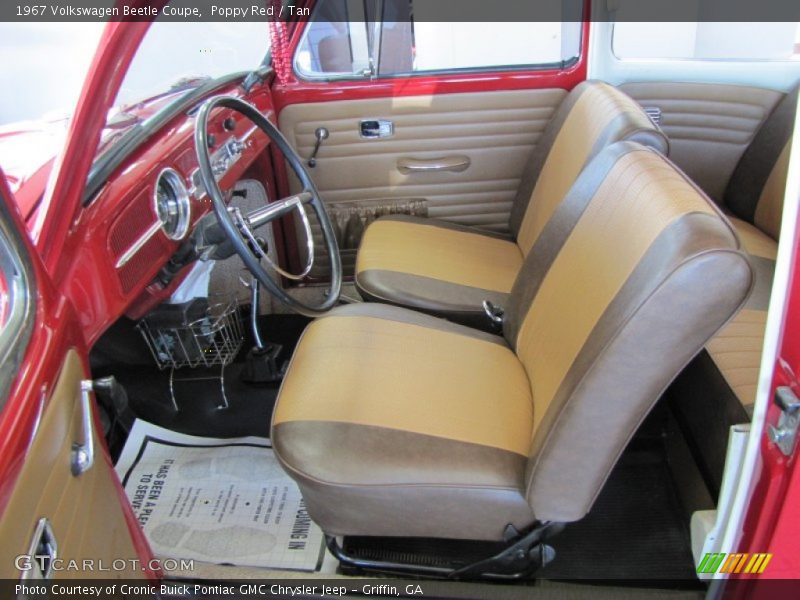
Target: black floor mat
{"type": "Point", "coordinates": [636, 529]}
{"type": "Point", "coordinates": [199, 393]}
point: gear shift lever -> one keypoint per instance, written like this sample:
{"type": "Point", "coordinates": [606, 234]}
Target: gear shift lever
{"type": "Point", "coordinates": [262, 360]}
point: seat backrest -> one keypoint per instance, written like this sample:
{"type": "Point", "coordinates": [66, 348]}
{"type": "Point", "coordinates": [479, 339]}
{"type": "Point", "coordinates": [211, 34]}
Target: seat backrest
{"type": "Point", "coordinates": [758, 183]}
{"type": "Point", "coordinates": [592, 116]}
{"type": "Point", "coordinates": [605, 317]}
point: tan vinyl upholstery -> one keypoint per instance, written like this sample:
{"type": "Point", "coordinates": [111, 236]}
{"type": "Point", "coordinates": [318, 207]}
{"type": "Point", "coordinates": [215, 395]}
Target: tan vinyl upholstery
{"type": "Point", "coordinates": [755, 197]}
{"type": "Point", "coordinates": [494, 130]}
{"type": "Point", "coordinates": [396, 423]}
{"type": "Point", "coordinates": [436, 266]}
{"type": "Point", "coordinates": [718, 389]}
{"type": "Point", "coordinates": [398, 269]}
{"type": "Point", "coordinates": [736, 349]}
{"type": "Point", "coordinates": [85, 512]}
{"type": "Point", "coordinates": [709, 125]}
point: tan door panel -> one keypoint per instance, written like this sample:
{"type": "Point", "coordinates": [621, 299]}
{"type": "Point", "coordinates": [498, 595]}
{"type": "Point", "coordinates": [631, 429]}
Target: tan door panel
{"type": "Point", "coordinates": [708, 125]}
{"type": "Point", "coordinates": [492, 132]}
{"type": "Point", "coordinates": [84, 511]}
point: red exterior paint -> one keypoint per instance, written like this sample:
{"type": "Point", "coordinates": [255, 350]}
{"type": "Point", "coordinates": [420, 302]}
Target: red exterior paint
{"type": "Point", "coordinates": [55, 333]}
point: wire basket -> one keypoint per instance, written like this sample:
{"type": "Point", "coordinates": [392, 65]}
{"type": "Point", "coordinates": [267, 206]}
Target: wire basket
{"type": "Point", "coordinates": [211, 340]}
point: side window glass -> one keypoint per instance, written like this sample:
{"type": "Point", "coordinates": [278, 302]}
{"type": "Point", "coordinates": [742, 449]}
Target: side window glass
{"type": "Point", "coordinates": [335, 43]}
{"type": "Point", "coordinates": [346, 39]}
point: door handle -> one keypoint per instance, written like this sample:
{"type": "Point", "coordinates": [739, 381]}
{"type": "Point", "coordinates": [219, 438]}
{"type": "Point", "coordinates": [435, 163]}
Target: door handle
{"type": "Point", "coordinates": [454, 164]}
{"type": "Point", "coordinates": [375, 128]}
{"type": "Point", "coordinates": [82, 457]}
{"type": "Point", "coordinates": [42, 552]}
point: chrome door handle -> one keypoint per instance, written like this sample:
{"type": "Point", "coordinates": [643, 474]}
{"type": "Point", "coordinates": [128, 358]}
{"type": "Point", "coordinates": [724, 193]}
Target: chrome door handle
{"type": "Point", "coordinates": [375, 128]}
{"type": "Point", "coordinates": [454, 164]}
{"type": "Point", "coordinates": [42, 552]}
{"type": "Point", "coordinates": [82, 457]}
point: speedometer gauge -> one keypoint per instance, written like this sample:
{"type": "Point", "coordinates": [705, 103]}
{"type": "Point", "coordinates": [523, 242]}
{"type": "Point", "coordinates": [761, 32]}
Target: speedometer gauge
{"type": "Point", "coordinates": [172, 204]}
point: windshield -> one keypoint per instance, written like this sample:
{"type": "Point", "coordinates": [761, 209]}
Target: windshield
{"type": "Point", "coordinates": [45, 65]}
{"type": "Point", "coordinates": [175, 58]}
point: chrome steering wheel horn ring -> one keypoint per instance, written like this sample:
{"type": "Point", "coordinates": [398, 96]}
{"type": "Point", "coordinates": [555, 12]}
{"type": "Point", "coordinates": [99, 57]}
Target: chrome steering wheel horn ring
{"type": "Point", "coordinates": [240, 229]}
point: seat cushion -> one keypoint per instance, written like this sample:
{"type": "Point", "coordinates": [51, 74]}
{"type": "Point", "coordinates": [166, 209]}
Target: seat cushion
{"type": "Point", "coordinates": [417, 426]}
{"type": "Point", "coordinates": [436, 266]}
{"type": "Point", "coordinates": [448, 269]}
{"type": "Point", "coordinates": [736, 349]}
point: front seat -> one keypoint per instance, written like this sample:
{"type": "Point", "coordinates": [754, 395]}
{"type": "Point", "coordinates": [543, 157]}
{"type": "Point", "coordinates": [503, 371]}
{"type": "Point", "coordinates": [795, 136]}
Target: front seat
{"type": "Point", "coordinates": [397, 423]}
{"type": "Point", "coordinates": [448, 269]}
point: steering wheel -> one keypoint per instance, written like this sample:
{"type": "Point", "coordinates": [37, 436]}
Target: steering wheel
{"type": "Point", "coordinates": [240, 228]}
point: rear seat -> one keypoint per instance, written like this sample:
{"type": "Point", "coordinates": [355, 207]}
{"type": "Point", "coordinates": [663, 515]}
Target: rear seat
{"type": "Point", "coordinates": [754, 199]}
{"type": "Point", "coordinates": [718, 389]}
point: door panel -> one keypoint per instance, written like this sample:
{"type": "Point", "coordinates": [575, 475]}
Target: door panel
{"type": "Point", "coordinates": [493, 131]}
{"type": "Point", "coordinates": [708, 125]}
{"type": "Point", "coordinates": [84, 511]}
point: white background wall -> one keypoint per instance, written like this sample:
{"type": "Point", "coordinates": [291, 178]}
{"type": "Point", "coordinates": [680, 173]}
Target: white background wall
{"type": "Point", "coordinates": [43, 65]}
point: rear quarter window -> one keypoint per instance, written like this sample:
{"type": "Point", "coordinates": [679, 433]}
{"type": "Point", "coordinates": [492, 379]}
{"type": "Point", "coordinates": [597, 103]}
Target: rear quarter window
{"type": "Point", "coordinates": [706, 41]}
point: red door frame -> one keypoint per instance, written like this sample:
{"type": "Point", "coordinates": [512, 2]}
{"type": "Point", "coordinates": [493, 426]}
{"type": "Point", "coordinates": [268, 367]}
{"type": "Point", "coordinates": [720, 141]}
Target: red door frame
{"type": "Point", "coordinates": [296, 91]}
{"type": "Point", "coordinates": [56, 327]}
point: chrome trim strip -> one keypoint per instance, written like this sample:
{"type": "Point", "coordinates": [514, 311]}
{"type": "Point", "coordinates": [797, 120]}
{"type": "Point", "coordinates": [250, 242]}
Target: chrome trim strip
{"type": "Point", "coordinates": [137, 245]}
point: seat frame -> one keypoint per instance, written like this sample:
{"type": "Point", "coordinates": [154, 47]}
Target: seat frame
{"type": "Point", "coordinates": [524, 554]}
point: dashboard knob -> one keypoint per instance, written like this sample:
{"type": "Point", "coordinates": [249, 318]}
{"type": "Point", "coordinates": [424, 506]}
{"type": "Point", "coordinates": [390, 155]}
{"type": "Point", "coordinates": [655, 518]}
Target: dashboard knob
{"type": "Point", "coordinates": [229, 124]}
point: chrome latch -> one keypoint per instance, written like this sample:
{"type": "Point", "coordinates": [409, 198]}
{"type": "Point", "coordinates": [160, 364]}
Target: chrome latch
{"type": "Point", "coordinates": [494, 312]}
{"type": "Point", "coordinates": [82, 457]}
{"type": "Point", "coordinates": [785, 434]}
{"type": "Point", "coordinates": [376, 128]}
{"type": "Point", "coordinates": [42, 554]}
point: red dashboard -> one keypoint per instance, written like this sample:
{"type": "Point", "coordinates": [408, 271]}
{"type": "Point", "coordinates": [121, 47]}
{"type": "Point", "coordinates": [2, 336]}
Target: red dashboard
{"type": "Point", "coordinates": [121, 247]}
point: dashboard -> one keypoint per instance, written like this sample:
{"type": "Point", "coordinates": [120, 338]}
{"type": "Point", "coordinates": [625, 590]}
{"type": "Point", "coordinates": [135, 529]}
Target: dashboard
{"type": "Point", "coordinates": [149, 206]}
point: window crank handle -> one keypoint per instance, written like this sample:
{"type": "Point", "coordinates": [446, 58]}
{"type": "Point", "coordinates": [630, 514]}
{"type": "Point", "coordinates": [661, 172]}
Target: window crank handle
{"type": "Point", "coordinates": [321, 134]}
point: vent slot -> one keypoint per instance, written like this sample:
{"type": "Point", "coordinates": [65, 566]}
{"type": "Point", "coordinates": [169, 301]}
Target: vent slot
{"type": "Point", "coordinates": [654, 112]}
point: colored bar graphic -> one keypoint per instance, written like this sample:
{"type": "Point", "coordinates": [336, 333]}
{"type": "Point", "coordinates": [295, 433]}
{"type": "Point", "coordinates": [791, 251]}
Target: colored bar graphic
{"type": "Point", "coordinates": [722, 562]}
